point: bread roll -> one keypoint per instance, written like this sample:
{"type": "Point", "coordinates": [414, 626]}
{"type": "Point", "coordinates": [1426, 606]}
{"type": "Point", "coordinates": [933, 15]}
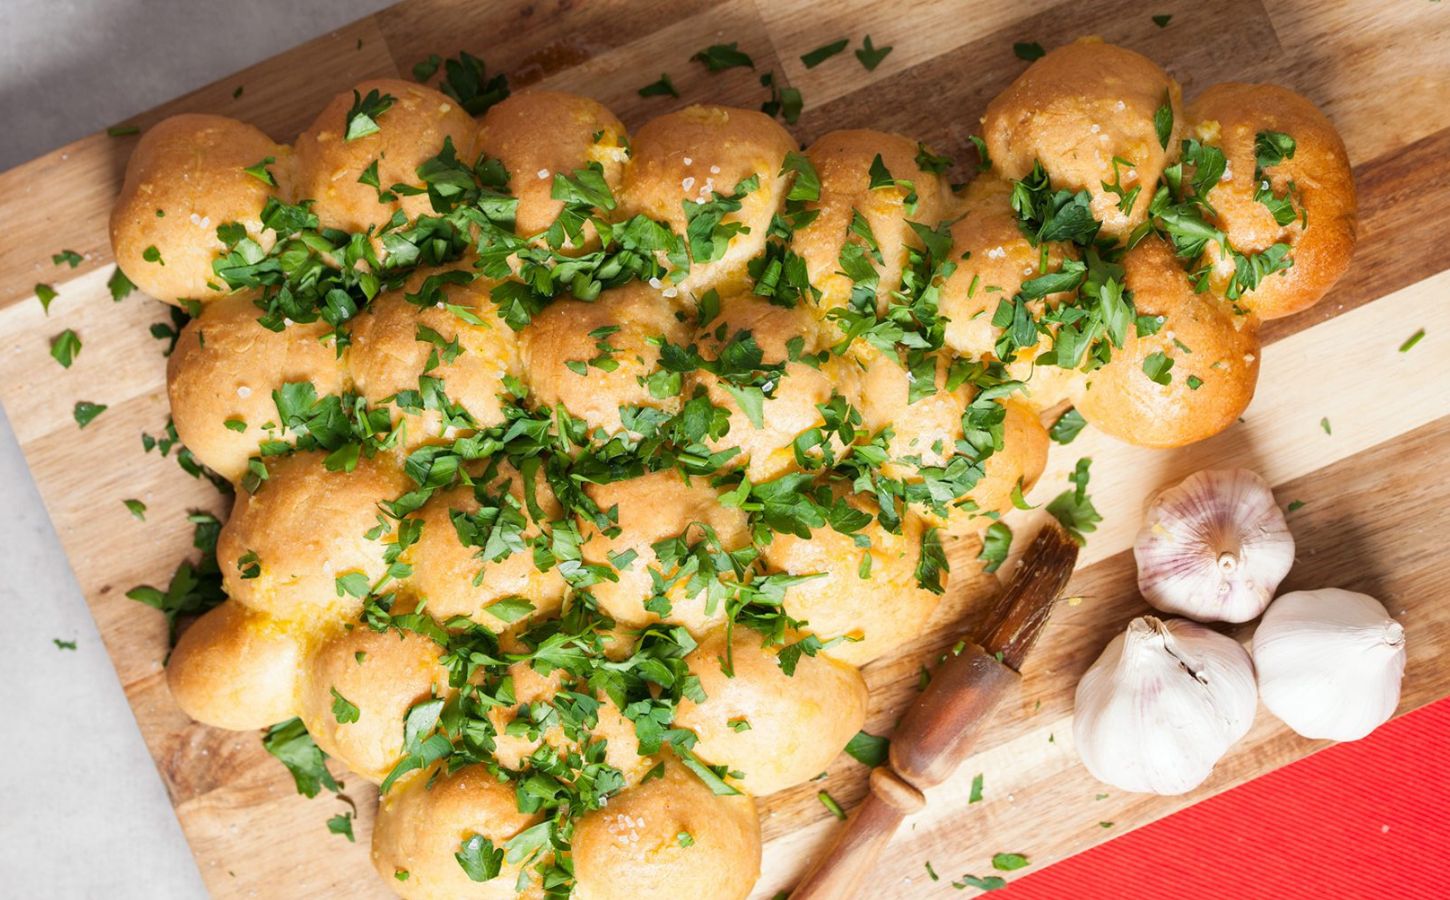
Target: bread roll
{"type": "Point", "coordinates": [410, 132]}
{"type": "Point", "coordinates": [382, 675]}
{"type": "Point", "coordinates": [647, 510]}
{"type": "Point", "coordinates": [221, 376]}
{"type": "Point", "coordinates": [666, 838]}
{"type": "Point", "coordinates": [687, 157]}
{"type": "Point", "coordinates": [1231, 116]}
{"type": "Point", "coordinates": [302, 529]}
{"type": "Point", "coordinates": [806, 382]}
{"type": "Point", "coordinates": [540, 134]}
{"type": "Point", "coordinates": [619, 333]}
{"type": "Point", "coordinates": [877, 612]}
{"type": "Point", "coordinates": [456, 580]}
{"type": "Point", "coordinates": [843, 161]}
{"type": "Point", "coordinates": [1215, 357]}
{"type": "Point", "coordinates": [993, 259]}
{"type": "Point", "coordinates": [186, 178]}
{"type": "Point", "coordinates": [924, 433]}
{"type": "Point", "coordinates": [777, 729]}
{"type": "Point", "coordinates": [1077, 108]}
{"type": "Point", "coordinates": [425, 820]}
{"type": "Point", "coordinates": [236, 669]}
{"type": "Point", "coordinates": [391, 353]}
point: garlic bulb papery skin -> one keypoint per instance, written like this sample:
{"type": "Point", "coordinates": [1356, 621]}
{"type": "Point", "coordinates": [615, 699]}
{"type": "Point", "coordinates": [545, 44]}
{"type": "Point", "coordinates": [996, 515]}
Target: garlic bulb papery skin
{"type": "Point", "coordinates": [1214, 547]}
{"type": "Point", "coordinates": [1162, 704]}
{"type": "Point", "coordinates": [1330, 663]}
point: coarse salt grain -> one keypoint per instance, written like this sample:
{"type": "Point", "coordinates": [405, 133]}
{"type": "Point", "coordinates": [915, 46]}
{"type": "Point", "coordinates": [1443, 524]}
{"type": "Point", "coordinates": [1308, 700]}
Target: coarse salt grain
{"type": "Point", "coordinates": [654, 283]}
{"type": "Point", "coordinates": [688, 161]}
{"type": "Point", "coordinates": [244, 392]}
{"type": "Point", "coordinates": [543, 173]}
{"type": "Point", "coordinates": [714, 170]}
{"type": "Point", "coordinates": [671, 292]}
{"type": "Point", "coordinates": [996, 253]}
{"type": "Point", "coordinates": [688, 183]}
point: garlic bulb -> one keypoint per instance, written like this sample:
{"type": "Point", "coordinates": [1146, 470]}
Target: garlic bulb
{"type": "Point", "coordinates": [1162, 704]}
{"type": "Point", "coordinates": [1330, 663]}
{"type": "Point", "coordinates": [1214, 547]}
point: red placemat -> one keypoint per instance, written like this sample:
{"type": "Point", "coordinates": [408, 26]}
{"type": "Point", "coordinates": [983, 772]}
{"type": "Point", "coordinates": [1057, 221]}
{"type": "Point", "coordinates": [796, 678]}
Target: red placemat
{"type": "Point", "coordinates": [1369, 819]}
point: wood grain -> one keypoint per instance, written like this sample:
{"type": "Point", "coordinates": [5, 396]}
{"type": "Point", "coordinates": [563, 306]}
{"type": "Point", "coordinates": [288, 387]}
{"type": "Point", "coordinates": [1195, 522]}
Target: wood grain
{"type": "Point", "coordinates": [1372, 520]}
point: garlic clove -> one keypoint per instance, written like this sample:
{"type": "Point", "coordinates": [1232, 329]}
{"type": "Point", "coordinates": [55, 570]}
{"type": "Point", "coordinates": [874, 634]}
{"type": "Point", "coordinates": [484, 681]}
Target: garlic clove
{"type": "Point", "coordinates": [1330, 663]}
{"type": "Point", "coordinates": [1214, 547]}
{"type": "Point", "coordinates": [1161, 706]}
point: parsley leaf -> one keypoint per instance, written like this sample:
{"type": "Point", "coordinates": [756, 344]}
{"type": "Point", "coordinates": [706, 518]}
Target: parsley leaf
{"type": "Point", "coordinates": [976, 795]}
{"type": "Point", "coordinates": [294, 747]}
{"type": "Point", "coordinates": [344, 711]}
{"type": "Point", "coordinates": [826, 51]}
{"type": "Point", "coordinates": [1412, 340]}
{"type": "Point", "coordinates": [342, 824]}
{"type": "Point", "coordinates": [45, 294]}
{"type": "Point", "coordinates": [990, 883]}
{"type": "Point", "coordinates": [664, 87]}
{"type": "Point", "coordinates": [996, 543]}
{"type": "Point", "coordinates": [119, 285]}
{"type": "Point", "coordinates": [1163, 121]}
{"type": "Point", "coordinates": [1157, 366]}
{"type": "Point", "coordinates": [260, 171]}
{"type": "Point", "coordinates": [67, 257]}
{"type": "Point", "coordinates": [466, 80]}
{"type": "Point", "coordinates": [362, 117]}
{"type": "Point", "coordinates": [719, 57]}
{"type": "Point", "coordinates": [868, 749]}
{"type": "Point", "coordinates": [830, 803]}
{"type": "Point", "coordinates": [1074, 509]}
{"type": "Point", "coordinates": [137, 508]}
{"type": "Point", "coordinates": [871, 56]}
{"type": "Point", "coordinates": [63, 645]}
{"type": "Point", "coordinates": [1008, 862]}
{"type": "Point", "coordinates": [480, 860]}
{"type": "Point", "coordinates": [1162, 21]}
{"type": "Point", "coordinates": [65, 347]}
{"type": "Point", "coordinates": [86, 411]}
{"type": "Point", "coordinates": [1068, 426]}
{"type": "Point", "coordinates": [1029, 51]}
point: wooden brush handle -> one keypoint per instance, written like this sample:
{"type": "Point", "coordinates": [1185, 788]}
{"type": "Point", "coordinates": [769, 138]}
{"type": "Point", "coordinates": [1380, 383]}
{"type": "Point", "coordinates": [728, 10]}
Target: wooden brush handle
{"type": "Point", "coordinates": [939, 729]}
{"type": "Point", "coordinates": [852, 855]}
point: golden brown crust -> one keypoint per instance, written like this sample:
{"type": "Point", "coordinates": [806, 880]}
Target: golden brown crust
{"type": "Point", "coordinates": [1230, 116]}
{"type": "Point", "coordinates": [305, 527]}
{"type": "Point", "coordinates": [1077, 108]}
{"type": "Point", "coordinates": [424, 821]}
{"type": "Point", "coordinates": [647, 510]}
{"type": "Point", "coordinates": [185, 179]}
{"type": "Point", "coordinates": [410, 132]}
{"type": "Point", "coordinates": [224, 370]}
{"type": "Point", "coordinates": [381, 674]}
{"type": "Point", "coordinates": [632, 849]}
{"type": "Point", "coordinates": [699, 151]}
{"type": "Point", "coordinates": [1222, 351]}
{"type": "Point", "coordinates": [561, 335]}
{"type": "Point", "coordinates": [777, 729]}
{"type": "Point", "coordinates": [540, 134]}
{"type": "Point", "coordinates": [881, 611]}
{"type": "Point", "coordinates": [390, 352]}
{"type": "Point", "coordinates": [236, 669]}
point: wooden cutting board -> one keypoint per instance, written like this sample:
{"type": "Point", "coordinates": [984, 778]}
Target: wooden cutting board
{"type": "Point", "coordinates": [1375, 501]}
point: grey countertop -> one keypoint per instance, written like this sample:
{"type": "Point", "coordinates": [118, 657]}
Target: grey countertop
{"type": "Point", "coordinates": [82, 810]}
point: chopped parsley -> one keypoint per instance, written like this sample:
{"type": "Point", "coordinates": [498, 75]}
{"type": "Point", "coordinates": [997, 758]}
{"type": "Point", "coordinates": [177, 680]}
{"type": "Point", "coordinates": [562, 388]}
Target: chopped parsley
{"type": "Point", "coordinates": [976, 794]}
{"type": "Point", "coordinates": [122, 130]}
{"type": "Point", "coordinates": [868, 749]}
{"type": "Point", "coordinates": [870, 55]}
{"type": "Point", "coordinates": [1074, 508]}
{"type": "Point", "coordinates": [136, 508]}
{"type": "Point", "coordinates": [63, 645]}
{"type": "Point", "coordinates": [67, 257]}
{"type": "Point", "coordinates": [824, 52]}
{"type": "Point", "coordinates": [1294, 505]}
{"type": "Point", "coordinates": [344, 711]}
{"type": "Point", "coordinates": [989, 883]}
{"type": "Point", "coordinates": [85, 412]}
{"type": "Point", "coordinates": [664, 87]}
{"type": "Point", "coordinates": [719, 57]}
{"type": "Point", "coordinates": [290, 743]}
{"type": "Point", "coordinates": [1412, 340]}
{"type": "Point", "coordinates": [1162, 20]}
{"type": "Point", "coordinates": [1067, 427]}
{"type": "Point", "coordinates": [45, 294]}
{"type": "Point", "coordinates": [1028, 51]}
{"type": "Point", "coordinates": [1157, 366]}
{"type": "Point", "coordinates": [119, 285]}
{"type": "Point", "coordinates": [362, 117]}
{"type": "Point", "coordinates": [830, 803]}
{"type": "Point", "coordinates": [342, 824]}
{"type": "Point", "coordinates": [65, 347]}
{"type": "Point", "coordinates": [1324, 424]}
{"type": "Point", "coordinates": [1009, 862]}
{"type": "Point", "coordinates": [996, 544]}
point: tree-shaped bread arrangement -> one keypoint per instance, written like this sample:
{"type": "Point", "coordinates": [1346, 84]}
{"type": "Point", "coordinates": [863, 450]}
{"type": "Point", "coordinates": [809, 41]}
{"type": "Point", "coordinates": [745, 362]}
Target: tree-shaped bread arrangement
{"type": "Point", "coordinates": [578, 472]}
